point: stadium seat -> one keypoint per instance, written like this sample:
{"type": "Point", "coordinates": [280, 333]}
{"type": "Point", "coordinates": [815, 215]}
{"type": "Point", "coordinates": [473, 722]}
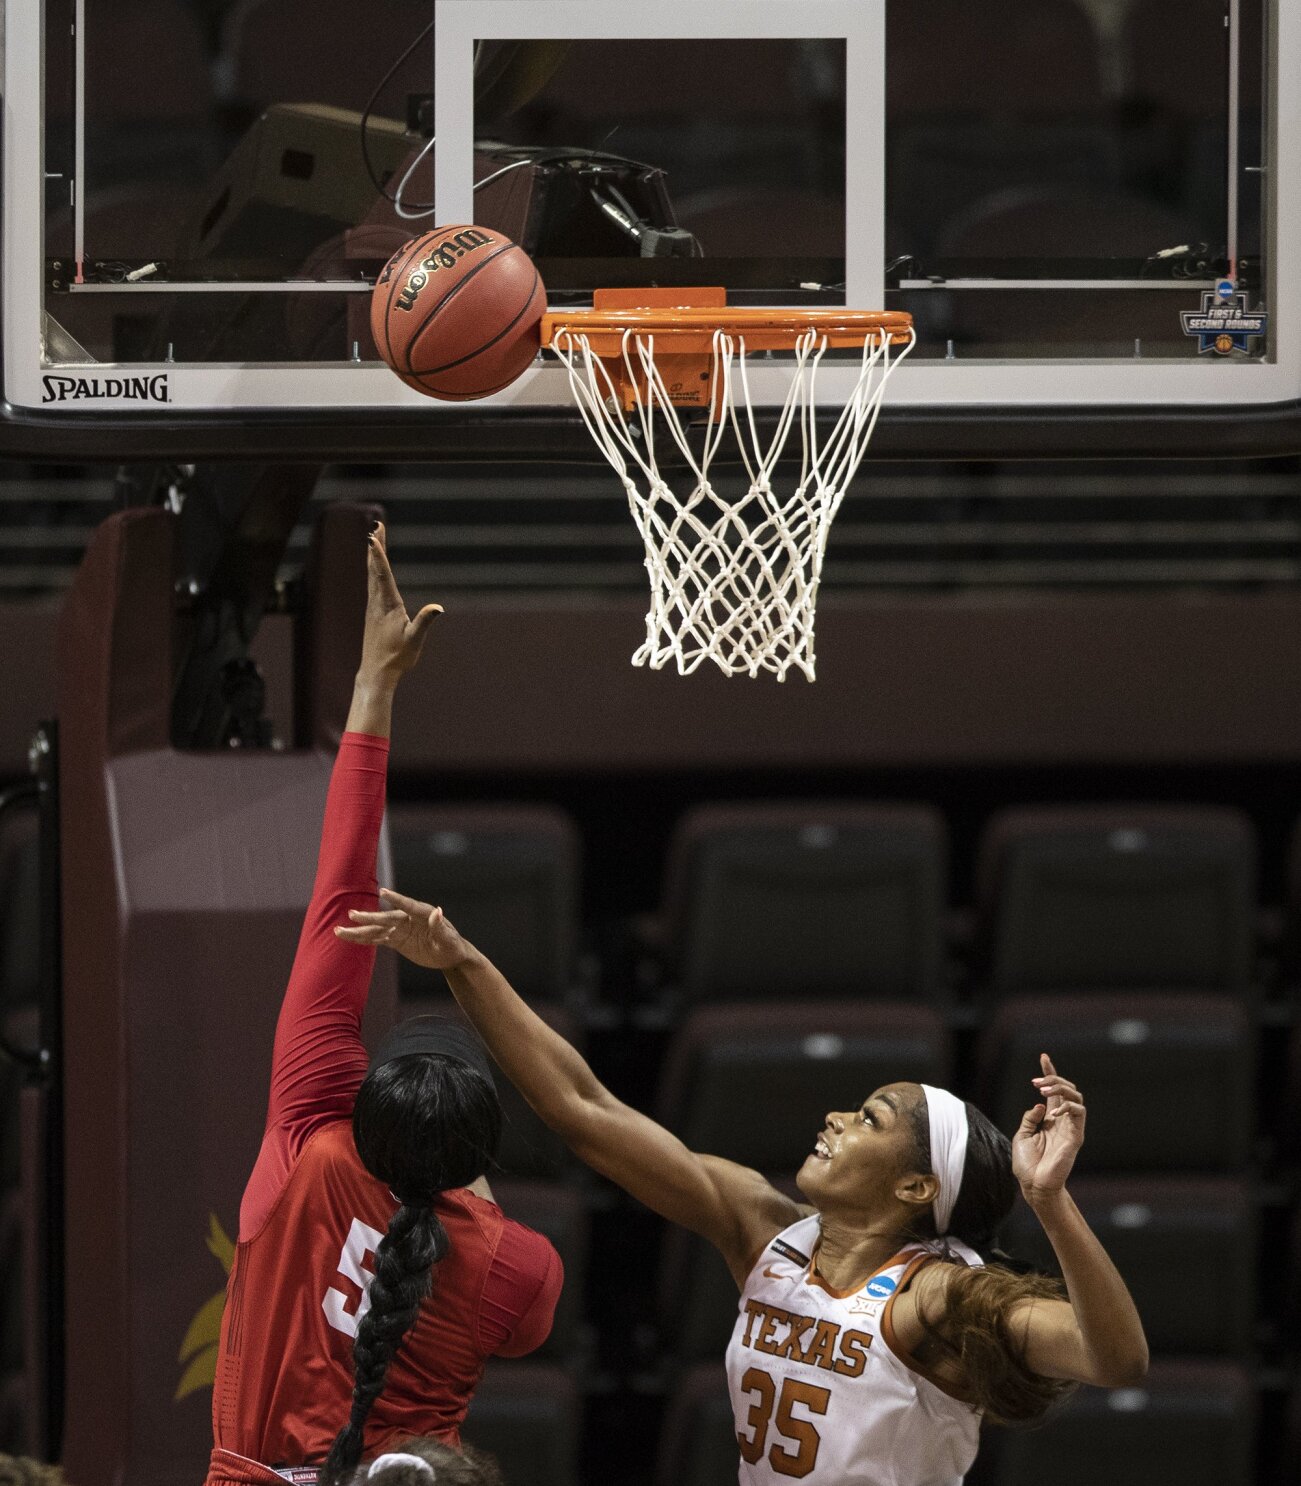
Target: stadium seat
{"type": "Point", "coordinates": [507, 878]}
{"type": "Point", "coordinates": [1144, 898]}
{"type": "Point", "coordinates": [529, 1151]}
{"type": "Point", "coordinates": [755, 1083]}
{"type": "Point", "coordinates": [871, 878]}
{"type": "Point", "coordinates": [1170, 1239]}
{"type": "Point", "coordinates": [560, 1213]}
{"type": "Point", "coordinates": [528, 1415]}
{"type": "Point", "coordinates": [1190, 1422]}
{"type": "Point", "coordinates": [698, 1438]}
{"type": "Point", "coordinates": [1169, 1081]}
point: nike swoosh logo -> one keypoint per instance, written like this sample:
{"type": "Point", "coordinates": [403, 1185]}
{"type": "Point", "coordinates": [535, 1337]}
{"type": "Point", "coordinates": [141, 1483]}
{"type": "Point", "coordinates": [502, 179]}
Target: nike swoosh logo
{"type": "Point", "coordinates": [772, 1274]}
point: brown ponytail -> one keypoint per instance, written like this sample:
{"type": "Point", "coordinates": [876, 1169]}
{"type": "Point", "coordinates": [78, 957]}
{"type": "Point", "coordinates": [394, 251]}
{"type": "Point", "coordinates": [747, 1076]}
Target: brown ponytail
{"type": "Point", "coordinates": [978, 1333]}
{"type": "Point", "coordinates": [977, 1329]}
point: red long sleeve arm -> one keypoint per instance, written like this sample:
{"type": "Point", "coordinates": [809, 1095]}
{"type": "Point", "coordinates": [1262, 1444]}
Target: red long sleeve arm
{"type": "Point", "coordinates": [319, 1059]}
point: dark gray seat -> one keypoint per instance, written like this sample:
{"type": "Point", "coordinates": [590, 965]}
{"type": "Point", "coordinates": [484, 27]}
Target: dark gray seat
{"type": "Point", "coordinates": [507, 877]}
{"type": "Point", "coordinates": [871, 878]}
{"type": "Point", "coordinates": [1190, 1422]}
{"type": "Point", "coordinates": [1144, 898]}
{"type": "Point", "coordinates": [1171, 1238]}
{"type": "Point", "coordinates": [1169, 1081]}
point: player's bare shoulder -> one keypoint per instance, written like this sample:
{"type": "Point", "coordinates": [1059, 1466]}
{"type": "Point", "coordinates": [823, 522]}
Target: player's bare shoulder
{"type": "Point", "coordinates": [759, 1212]}
{"type": "Point", "coordinates": [919, 1309]}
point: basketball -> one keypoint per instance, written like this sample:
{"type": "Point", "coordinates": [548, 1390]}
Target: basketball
{"type": "Point", "coordinates": [456, 312]}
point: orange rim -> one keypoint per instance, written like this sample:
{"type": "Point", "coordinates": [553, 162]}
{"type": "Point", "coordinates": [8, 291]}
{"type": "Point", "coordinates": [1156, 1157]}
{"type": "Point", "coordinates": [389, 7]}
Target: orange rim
{"type": "Point", "coordinates": [684, 322]}
{"type": "Point", "coordinates": [685, 330]}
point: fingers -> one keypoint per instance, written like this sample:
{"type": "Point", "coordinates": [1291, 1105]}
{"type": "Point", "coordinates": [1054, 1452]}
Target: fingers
{"type": "Point", "coordinates": [1056, 1088]}
{"type": "Point", "coordinates": [389, 918]}
{"type": "Point", "coordinates": [381, 574]}
{"type": "Point", "coordinates": [1051, 1085]}
{"type": "Point", "coordinates": [419, 626]}
{"type": "Point", "coordinates": [366, 934]}
{"type": "Point", "coordinates": [1070, 1107]}
{"type": "Point", "coordinates": [423, 911]}
{"type": "Point", "coordinates": [1032, 1119]}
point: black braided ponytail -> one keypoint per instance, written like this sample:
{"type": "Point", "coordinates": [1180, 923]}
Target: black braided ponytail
{"type": "Point", "coordinates": [423, 1124]}
{"type": "Point", "coordinates": [416, 1240]}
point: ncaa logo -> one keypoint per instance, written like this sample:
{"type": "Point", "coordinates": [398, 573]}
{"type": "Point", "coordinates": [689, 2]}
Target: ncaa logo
{"type": "Point", "coordinates": [881, 1287]}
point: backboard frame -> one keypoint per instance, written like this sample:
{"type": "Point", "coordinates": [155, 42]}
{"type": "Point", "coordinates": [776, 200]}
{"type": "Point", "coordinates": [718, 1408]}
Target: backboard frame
{"type": "Point", "coordinates": [1210, 406]}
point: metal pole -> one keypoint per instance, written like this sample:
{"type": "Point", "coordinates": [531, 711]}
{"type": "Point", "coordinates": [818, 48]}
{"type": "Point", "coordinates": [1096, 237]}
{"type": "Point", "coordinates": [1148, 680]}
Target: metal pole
{"type": "Point", "coordinates": [79, 135]}
{"type": "Point", "coordinates": [1235, 103]}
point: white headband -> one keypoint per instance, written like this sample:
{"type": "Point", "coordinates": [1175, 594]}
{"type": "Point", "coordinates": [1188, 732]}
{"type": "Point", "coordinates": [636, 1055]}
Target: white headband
{"type": "Point", "coordinates": [399, 1457]}
{"type": "Point", "coordinates": [948, 1117]}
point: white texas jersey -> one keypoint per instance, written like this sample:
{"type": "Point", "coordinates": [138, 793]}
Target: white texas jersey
{"type": "Point", "coordinates": [819, 1388]}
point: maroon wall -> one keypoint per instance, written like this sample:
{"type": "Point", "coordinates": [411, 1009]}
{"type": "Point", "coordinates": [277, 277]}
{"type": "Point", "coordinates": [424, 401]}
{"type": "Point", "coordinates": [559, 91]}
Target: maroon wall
{"type": "Point", "coordinates": [907, 681]}
{"type": "Point", "coordinates": [901, 682]}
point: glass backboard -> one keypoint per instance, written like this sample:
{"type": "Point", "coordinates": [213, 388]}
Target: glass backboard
{"type": "Point", "coordinates": [1084, 204]}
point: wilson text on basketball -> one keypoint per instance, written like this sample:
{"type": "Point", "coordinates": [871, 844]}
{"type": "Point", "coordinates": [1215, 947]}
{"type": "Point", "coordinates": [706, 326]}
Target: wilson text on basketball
{"type": "Point", "coordinates": [443, 256]}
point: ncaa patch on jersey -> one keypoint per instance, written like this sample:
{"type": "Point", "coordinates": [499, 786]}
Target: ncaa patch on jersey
{"type": "Point", "coordinates": [881, 1287]}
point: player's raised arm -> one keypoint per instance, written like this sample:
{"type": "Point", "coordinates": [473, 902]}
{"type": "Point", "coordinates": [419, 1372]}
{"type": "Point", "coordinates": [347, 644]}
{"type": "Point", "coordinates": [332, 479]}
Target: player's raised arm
{"type": "Point", "coordinates": [737, 1210]}
{"type": "Point", "coordinates": [1098, 1337]}
{"type": "Point", "coordinates": [391, 643]}
{"type": "Point", "coordinates": [319, 1061]}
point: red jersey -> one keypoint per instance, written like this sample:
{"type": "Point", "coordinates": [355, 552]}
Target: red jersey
{"type": "Point", "coordinates": [312, 1216]}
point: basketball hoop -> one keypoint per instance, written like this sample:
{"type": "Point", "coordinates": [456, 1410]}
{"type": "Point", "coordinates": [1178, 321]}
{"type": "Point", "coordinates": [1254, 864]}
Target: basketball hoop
{"type": "Point", "coordinates": [732, 581]}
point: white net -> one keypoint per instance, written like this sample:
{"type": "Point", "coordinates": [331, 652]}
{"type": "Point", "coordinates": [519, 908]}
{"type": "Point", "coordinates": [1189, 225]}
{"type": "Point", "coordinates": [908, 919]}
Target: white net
{"type": "Point", "coordinates": [733, 580]}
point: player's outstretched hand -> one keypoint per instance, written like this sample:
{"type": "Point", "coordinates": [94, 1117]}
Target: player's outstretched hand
{"type": "Point", "coordinates": [392, 643]}
{"type": "Point", "coordinates": [416, 930]}
{"type": "Point", "coordinates": [1050, 1135]}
